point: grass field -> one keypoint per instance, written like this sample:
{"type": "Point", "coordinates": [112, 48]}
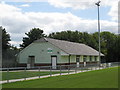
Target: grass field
{"type": "Point", "coordinates": [22, 74]}
{"type": "Point", "coordinates": [106, 78]}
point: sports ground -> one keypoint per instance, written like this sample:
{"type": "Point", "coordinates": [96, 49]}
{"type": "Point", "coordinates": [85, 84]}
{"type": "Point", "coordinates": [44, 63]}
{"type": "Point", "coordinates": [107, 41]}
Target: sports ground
{"type": "Point", "coordinates": [104, 78]}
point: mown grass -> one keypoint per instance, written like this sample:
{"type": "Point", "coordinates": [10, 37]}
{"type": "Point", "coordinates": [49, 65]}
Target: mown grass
{"type": "Point", "coordinates": [23, 74]}
{"type": "Point", "coordinates": [106, 78]}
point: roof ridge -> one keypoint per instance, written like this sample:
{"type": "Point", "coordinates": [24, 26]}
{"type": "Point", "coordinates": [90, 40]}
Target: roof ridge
{"type": "Point", "coordinates": [65, 41]}
{"type": "Point", "coordinates": [70, 47]}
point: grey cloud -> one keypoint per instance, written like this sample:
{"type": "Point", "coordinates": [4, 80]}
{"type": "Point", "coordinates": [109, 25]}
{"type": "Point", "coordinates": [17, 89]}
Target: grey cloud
{"type": "Point", "coordinates": [49, 22]}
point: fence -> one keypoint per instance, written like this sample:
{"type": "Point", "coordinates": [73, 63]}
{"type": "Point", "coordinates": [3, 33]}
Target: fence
{"type": "Point", "coordinates": [25, 73]}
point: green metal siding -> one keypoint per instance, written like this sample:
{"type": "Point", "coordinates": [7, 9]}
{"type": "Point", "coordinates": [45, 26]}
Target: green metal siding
{"type": "Point", "coordinates": [64, 59]}
{"type": "Point", "coordinates": [40, 51]}
{"type": "Point", "coordinates": [81, 58]}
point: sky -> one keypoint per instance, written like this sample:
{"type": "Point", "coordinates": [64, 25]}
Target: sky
{"type": "Point", "coordinates": [20, 16]}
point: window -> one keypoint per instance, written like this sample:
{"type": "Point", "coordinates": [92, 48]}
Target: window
{"type": "Point", "coordinates": [90, 58]}
{"type": "Point", "coordinates": [95, 58]}
{"type": "Point", "coordinates": [84, 58]}
{"type": "Point", "coordinates": [77, 58]}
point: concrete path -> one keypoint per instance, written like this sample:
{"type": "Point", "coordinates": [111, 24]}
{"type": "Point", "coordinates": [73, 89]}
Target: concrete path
{"type": "Point", "coordinates": [37, 77]}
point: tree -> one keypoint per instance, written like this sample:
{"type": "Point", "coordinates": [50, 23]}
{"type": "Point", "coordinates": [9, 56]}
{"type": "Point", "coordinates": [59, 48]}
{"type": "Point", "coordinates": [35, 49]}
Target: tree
{"type": "Point", "coordinates": [107, 45]}
{"type": "Point", "coordinates": [110, 42]}
{"type": "Point", "coordinates": [5, 39]}
{"type": "Point", "coordinates": [33, 35]}
{"type": "Point", "coordinates": [117, 48]}
{"type": "Point", "coordinates": [88, 39]}
{"type": "Point", "coordinates": [73, 36]}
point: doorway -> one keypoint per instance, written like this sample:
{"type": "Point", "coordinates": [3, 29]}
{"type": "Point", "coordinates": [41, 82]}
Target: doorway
{"type": "Point", "coordinates": [31, 61]}
{"type": "Point", "coordinates": [78, 61]}
{"type": "Point", "coordinates": [54, 62]}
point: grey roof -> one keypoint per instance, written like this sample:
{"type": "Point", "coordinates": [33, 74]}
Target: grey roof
{"type": "Point", "coordinates": [71, 47]}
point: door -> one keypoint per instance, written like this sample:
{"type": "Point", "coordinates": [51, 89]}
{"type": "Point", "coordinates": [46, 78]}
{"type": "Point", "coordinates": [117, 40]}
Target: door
{"type": "Point", "coordinates": [84, 59]}
{"type": "Point", "coordinates": [54, 62]}
{"type": "Point", "coordinates": [31, 61]}
{"type": "Point", "coordinates": [78, 61]}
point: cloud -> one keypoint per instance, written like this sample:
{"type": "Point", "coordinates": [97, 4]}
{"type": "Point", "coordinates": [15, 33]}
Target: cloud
{"type": "Point", "coordinates": [25, 5]}
{"type": "Point", "coordinates": [75, 4]}
{"type": "Point", "coordinates": [17, 22]}
{"type": "Point", "coordinates": [25, 0]}
{"type": "Point", "coordinates": [80, 4]}
{"type": "Point", "coordinates": [114, 11]}
{"type": "Point", "coordinates": [85, 4]}
{"type": "Point", "coordinates": [15, 43]}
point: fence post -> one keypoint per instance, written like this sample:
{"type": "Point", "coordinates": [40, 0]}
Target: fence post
{"type": "Point", "coordinates": [68, 68]}
{"type": "Point", "coordinates": [87, 68]}
{"type": "Point", "coordinates": [99, 67]}
{"type": "Point", "coordinates": [50, 71]}
{"type": "Point", "coordinates": [91, 67]}
{"type": "Point", "coordinates": [106, 65]}
{"type": "Point", "coordinates": [81, 68]}
{"type": "Point", "coordinates": [7, 75]}
{"type": "Point", "coordinates": [39, 72]}
{"type": "Point", "coordinates": [75, 68]}
{"type": "Point", "coordinates": [95, 67]}
{"type": "Point", "coordinates": [60, 69]}
{"type": "Point", "coordinates": [25, 73]}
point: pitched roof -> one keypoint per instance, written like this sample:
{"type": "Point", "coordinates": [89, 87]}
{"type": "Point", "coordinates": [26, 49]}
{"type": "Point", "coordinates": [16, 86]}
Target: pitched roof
{"type": "Point", "coordinates": [71, 47]}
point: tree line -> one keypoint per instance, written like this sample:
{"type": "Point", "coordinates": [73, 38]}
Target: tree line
{"type": "Point", "coordinates": [110, 42]}
{"type": "Point", "coordinates": [8, 51]}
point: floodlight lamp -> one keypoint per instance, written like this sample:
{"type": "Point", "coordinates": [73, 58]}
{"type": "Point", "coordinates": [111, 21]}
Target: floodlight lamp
{"type": "Point", "coordinates": [98, 3]}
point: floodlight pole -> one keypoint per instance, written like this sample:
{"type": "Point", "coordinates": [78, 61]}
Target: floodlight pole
{"type": "Point", "coordinates": [98, 5]}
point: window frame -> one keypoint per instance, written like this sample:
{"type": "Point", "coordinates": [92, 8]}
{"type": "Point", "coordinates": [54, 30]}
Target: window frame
{"type": "Point", "coordinates": [95, 57]}
{"type": "Point", "coordinates": [84, 58]}
{"type": "Point", "coordinates": [90, 59]}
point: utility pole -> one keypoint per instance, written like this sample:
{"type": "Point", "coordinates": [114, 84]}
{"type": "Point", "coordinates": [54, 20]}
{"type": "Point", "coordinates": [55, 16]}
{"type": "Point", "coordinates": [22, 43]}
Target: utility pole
{"type": "Point", "coordinates": [98, 5]}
